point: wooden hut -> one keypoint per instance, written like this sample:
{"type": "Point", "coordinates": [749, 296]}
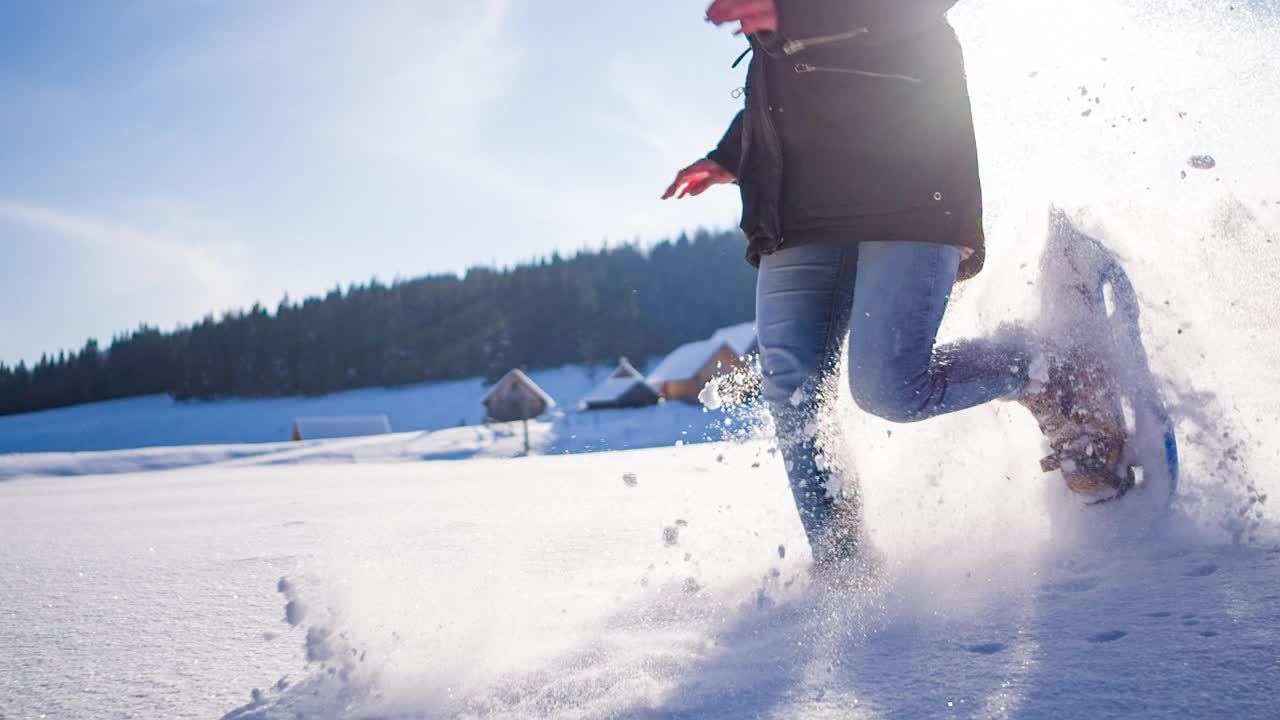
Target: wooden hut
{"type": "Point", "coordinates": [625, 387]}
{"type": "Point", "coordinates": [515, 397]}
{"type": "Point", "coordinates": [683, 373]}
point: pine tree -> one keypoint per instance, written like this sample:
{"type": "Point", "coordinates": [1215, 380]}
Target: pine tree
{"type": "Point", "coordinates": [588, 308]}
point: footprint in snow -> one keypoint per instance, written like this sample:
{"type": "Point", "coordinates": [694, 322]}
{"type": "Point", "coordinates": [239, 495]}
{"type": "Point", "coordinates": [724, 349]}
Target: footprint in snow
{"type": "Point", "coordinates": [671, 533]}
{"type": "Point", "coordinates": [1108, 636]}
{"type": "Point", "coordinates": [1202, 571]}
{"type": "Point", "coordinates": [987, 648]}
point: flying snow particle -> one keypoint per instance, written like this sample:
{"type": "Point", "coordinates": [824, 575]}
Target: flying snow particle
{"type": "Point", "coordinates": [1202, 162]}
{"type": "Point", "coordinates": [293, 613]}
{"type": "Point", "coordinates": [811, 429]}
{"type": "Point", "coordinates": [1038, 371]}
{"type": "Point", "coordinates": [710, 395]}
{"type": "Point", "coordinates": [630, 479]}
{"type": "Point", "coordinates": [318, 646]}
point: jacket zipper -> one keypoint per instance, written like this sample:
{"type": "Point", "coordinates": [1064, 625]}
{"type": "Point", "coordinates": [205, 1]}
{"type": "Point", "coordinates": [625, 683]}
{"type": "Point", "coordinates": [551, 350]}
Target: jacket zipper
{"type": "Point", "coordinates": [807, 68]}
{"type": "Point", "coordinates": [791, 47]}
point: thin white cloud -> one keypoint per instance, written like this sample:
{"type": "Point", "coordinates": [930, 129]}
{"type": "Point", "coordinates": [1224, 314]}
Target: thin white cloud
{"type": "Point", "coordinates": [208, 271]}
{"type": "Point", "coordinates": [411, 79]}
{"type": "Point", "coordinates": [426, 81]}
{"type": "Point", "coordinates": [400, 88]}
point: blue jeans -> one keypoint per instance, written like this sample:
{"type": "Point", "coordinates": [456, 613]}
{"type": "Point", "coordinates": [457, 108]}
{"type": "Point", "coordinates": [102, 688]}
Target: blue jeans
{"type": "Point", "coordinates": [888, 298]}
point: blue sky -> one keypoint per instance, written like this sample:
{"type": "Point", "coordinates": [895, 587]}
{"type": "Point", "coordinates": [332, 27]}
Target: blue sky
{"type": "Point", "coordinates": [163, 159]}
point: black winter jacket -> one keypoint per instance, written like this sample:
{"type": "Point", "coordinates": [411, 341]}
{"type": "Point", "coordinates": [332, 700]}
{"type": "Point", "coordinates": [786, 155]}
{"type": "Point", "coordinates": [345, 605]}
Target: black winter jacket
{"type": "Point", "coordinates": [857, 125]}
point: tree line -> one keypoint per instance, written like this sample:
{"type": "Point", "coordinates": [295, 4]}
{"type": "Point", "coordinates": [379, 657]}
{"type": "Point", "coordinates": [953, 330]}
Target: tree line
{"type": "Point", "coordinates": [590, 308]}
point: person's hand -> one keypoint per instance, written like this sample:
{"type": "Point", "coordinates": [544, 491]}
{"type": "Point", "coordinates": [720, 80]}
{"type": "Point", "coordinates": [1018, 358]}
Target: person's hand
{"type": "Point", "coordinates": [695, 179]}
{"type": "Point", "coordinates": [754, 15]}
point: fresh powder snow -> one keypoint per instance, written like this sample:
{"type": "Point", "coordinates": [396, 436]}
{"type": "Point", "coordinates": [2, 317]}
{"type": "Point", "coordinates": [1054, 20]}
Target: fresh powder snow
{"type": "Point", "coordinates": [437, 574]}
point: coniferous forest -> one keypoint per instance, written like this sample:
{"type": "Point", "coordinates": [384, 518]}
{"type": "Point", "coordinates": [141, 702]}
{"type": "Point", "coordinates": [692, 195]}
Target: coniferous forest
{"type": "Point", "coordinates": [590, 308]}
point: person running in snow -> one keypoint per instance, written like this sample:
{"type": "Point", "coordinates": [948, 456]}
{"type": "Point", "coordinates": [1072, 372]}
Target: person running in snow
{"type": "Point", "coordinates": [858, 169]}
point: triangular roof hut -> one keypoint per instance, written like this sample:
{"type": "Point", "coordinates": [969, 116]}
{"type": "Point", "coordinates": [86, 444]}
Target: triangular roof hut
{"type": "Point", "coordinates": [682, 374]}
{"type": "Point", "coordinates": [625, 387]}
{"type": "Point", "coordinates": [516, 397]}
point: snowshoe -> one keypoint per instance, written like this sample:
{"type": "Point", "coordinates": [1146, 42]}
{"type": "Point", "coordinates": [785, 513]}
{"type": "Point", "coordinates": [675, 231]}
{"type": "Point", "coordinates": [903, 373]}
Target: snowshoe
{"type": "Point", "coordinates": [1077, 410]}
{"type": "Point", "coordinates": [1094, 394]}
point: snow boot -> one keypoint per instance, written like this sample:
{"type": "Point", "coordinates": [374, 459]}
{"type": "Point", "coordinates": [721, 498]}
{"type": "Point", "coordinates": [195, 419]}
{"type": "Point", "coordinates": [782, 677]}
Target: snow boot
{"type": "Point", "coordinates": [1073, 401]}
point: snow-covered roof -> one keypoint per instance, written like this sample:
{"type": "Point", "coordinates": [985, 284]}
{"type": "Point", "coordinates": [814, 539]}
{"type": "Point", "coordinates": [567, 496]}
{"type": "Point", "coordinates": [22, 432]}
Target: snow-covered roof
{"type": "Point", "coordinates": [685, 361]}
{"type": "Point", "coordinates": [611, 390]}
{"type": "Point", "coordinates": [516, 375]}
{"type": "Point", "coordinates": [617, 386]}
{"type": "Point", "coordinates": [620, 382]}
{"type": "Point", "coordinates": [626, 370]}
{"type": "Point", "coordinates": [320, 428]}
{"type": "Point", "coordinates": [741, 337]}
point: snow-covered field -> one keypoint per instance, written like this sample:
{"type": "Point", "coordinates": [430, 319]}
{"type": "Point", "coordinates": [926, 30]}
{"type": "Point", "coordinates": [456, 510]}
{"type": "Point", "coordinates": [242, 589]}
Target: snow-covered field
{"type": "Point", "coordinates": [435, 575]}
{"type": "Point", "coordinates": [558, 433]}
{"type": "Point", "coordinates": [155, 433]}
{"type": "Point", "coordinates": [563, 587]}
{"type": "Point", "coordinates": [159, 421]}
